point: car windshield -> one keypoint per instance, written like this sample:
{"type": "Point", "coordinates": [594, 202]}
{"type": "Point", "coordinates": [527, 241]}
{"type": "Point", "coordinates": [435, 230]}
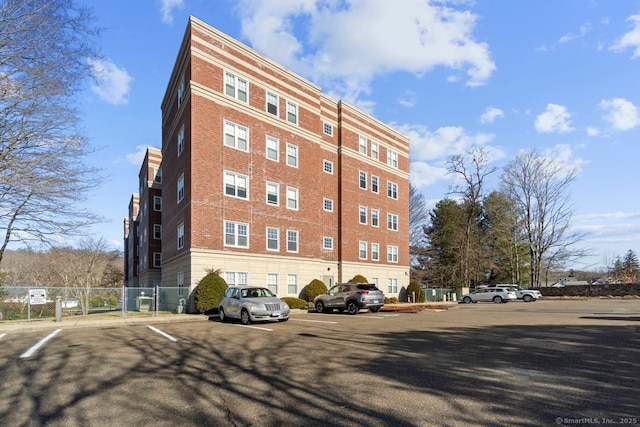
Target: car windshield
{"type": "Point", "coordinates": [256, 293]}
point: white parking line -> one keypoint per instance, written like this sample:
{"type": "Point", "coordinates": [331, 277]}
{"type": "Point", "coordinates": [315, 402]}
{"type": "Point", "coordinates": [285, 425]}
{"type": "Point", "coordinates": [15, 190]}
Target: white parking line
{"type": "Point", "coordinates": [167, 336]}
{"type": "Point", "coordinates": [253, 327]}
{"type": "Point", "coordinates": [33, 349]}
{"type": "Point", "coordinates": [314, 321]}
{"type": "Point", "coordinates": [2, 335]}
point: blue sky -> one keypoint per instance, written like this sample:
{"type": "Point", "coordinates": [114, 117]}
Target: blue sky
{"type": "Point", "coordinates": [561, 77]}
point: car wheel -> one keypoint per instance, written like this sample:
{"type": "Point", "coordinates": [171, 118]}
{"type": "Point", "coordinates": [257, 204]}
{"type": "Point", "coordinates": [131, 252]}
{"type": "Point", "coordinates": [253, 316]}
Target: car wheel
{"type": "Point", "coordinates": [374, 309]}
{"type": "Point", "coordinates": [320, 307]}
{"type": "Point", "coordinates": [244, 317]}
{"type": "Point", "coordinates": [352, 307]}
{"type": "Point", "coordinates": [283, 320]}
{"type": "Point", "coordinates": [497, 299]}
{"type": "Point", "coordinates": [223, 317]}
{"type": "Point", "coordinates": [466, 300]}
{"type": "Point", "coordinates": [527, 298]}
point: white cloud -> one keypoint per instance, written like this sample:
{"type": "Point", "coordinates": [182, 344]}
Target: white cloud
{"type": "Point", "coordinates": [630, 39]}
{"type": "Point", "coordinates": [409, 99]}
{"type": "Point", "coordinates": [444, 142]}
{"type": "Point", "coordinates": [113, 84]}
{"type": "Point", "coordinates": [491, 114]}
{"type": "Point", "coordinates": [584, 29]}
{"type": "Point", "coordinates": [563, 154]}
{"type": "Point", "coordinates": [620, 113]}
{"type": "Point", "coordinates": [347, 43]}
{"type": "Point", "coordinates": [138, 157]}
{"type": "Point", "coordinates": [167, 7]}
{"type": "Point", "coordinates": [556, 118]}
{"type": "Point", "coordinates": [593, 131]}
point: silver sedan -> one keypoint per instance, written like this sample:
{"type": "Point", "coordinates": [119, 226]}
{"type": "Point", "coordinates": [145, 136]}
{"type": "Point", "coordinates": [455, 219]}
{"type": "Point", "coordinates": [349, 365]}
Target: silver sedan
{"type": "Point", "coordinates": [252, 304]}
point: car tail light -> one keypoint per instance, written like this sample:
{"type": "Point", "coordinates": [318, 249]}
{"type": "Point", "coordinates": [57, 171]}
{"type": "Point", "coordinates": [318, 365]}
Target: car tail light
{"type": "Point", "coordinates": [362, 292]}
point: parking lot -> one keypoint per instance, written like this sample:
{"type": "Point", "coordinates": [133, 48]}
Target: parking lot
{"type": "Point", "coordinates": [549, 362]}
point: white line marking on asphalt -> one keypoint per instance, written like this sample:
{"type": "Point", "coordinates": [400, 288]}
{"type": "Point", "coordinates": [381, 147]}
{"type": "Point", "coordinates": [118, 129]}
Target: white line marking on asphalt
{"type": "Point", "coordinates": [33, 349]}
{"type": "Point", "coordinates": [254, 327]}
{"type": "Point", "coordinates": [167, 336]}
{"type": "Point", "coordinates": [314, 321]}
{"type": "Point", "coordinates": [2, 335]}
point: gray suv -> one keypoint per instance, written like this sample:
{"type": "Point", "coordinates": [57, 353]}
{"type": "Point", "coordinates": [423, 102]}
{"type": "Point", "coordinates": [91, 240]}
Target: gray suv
{"type": "Point", "coordinates": [351, 297]}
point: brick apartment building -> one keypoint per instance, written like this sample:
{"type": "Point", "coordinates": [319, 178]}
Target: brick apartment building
{"type": "Point", "coordinates": [268, 179]}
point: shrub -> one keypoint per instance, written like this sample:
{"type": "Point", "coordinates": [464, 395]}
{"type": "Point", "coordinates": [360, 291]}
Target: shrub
{"type": "Point", "coordinates": [358, 278]}
{"type": "Point", "coordinates": [414, 288]}
{"type": "Point", "coordinates": [209, 292]}
{"type": "Point", "coordinates": [295, 302]}
{"type": "Point", "coordinates": [392, 300]}
{"type": "Point", "coordinates": [97, 301]}
{"type": "Point", "coordinates": [313, 289]}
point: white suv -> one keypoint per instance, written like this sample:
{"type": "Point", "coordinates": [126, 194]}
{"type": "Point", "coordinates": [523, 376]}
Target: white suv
{"type": "Point", "coordinates": [487, 294]}
{"type": "Point", "coordinates": [525, 295]}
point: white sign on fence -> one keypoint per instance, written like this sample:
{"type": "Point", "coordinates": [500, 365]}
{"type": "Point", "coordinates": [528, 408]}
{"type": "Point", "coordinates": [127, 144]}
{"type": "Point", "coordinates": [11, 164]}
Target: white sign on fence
{"type": "Point", "coordinates": [37, 296]}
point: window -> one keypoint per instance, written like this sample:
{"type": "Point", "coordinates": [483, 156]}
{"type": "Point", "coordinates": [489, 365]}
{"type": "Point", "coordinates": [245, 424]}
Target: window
{"type": "Point", "coordinates": [374, 184]}
{"type": "Point", "coordinates": [392, 286]}
{"type": "Point", "coordinates": [292, 155]}
{"type": "Point", "coordinates": [363, 214]}
{"type": "Point", "coordinates": [392, 158]}
{"type": "Point", "coordinates": [292, 112]}
{"type": "Point", "coordinates": [157, 259]}
{"type": "Point", "coordinates": [292, 284]}
{"type": "Point", "coordinates": [292, 241]}
{"type": "Point", "coordinates": [363, 180]}
{"type": "Point", "coordinates": [272, 103]}
{"type": "Point", "coordinates": [327, 128]}
{"type": "Point", "coordinates": [157, 231]}
{"type": "Point", "coordinates": [180, 282]}
{"type": "Point", "coordinates": [327, 166]}
{"type": "Point", "coordinates": [272, 282]}
{"type": "Point", "coordinates": [392, 253]}
{"type": "Point", "coordinates": [236, 234]}
{"type": "Point", "coordinates": [375, 150]}
{"type": "Point", "coordinates": [236, 136]}
{"type": "Point", "coordinates": [235, 86]}
{"type": "Point", "coordinates": [362, 144]}
{"type": "Point", "coordinates": [328, 205]}
{"type": "Point", "coordinates": [375, 217]}
{"type": "Point", "coordinates": [272, 239]}
{"type": "Point", "coordinates": [362, 253]}
{"type": "Point", "coordinates": [375, 252]}
{"type": "Point", "coordinates": [236, 278]}
{"type": "Point", "coordinates": [272, 149]}
{"type": "Point", "coordinates": [157, 203]}
{"type": "Point", "coordinates": [235, 185]}
{"type": "Point", "coordinates": [327, 243]}
{"type": "Point", "coordinates": [273, 190]}
{"type": "Point", "coordinates": [180, 188]}
{"type": "Point", "coordinates": [392, 190]}
{"type": "Point", "coordinates": [181, 140]}
{"type": "Point", "coordinates": [181, 235]}
{"type": "Point", "coordinates": [392, 222]}
{"type": "Point", "coordinates": [158, 175]}
{"type": "Point", "coordinates": [292, 198]}
{"type": "Point", "coordinates": [181, 92]}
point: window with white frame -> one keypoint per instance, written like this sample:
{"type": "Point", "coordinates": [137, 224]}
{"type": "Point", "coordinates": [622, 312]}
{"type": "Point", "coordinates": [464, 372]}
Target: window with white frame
{"type": "Point", "coordinates": [375, 252]}
{"type": "Point", "coordinates": [392, 158]}
{"type": "Point", "coordinates": [181, 140]}
{"type": "Point", "coordinates": [236, 185]}
{"type": "Point", "coordinates": [181, 90]}
{"type": "Point", "coordinates": [362, 144]}
{"type": "Point", "coordinates": [292, 155]}
{"type": "Point", "coordinates": [236, 278]}
{"type": "Point", "coordinates": [292, 284]}
{"type": "Point", "coordinates": [272, 148]}
{"type": "Point", "coordinates": [236, 234]}
{"type": "Point", "coordinates": [327, 205]}
{"type": "Point", "coordinates": [157, 175]}
{"type": "Point", "coordinates": [362, 216]}
{"type": "Point", "coordinates": [292, 112]}
{"type": "Point", "coordinates": [362, 180]}
{"type": "Point", "coordinates": [292, 198]}
{"type": "Point", "coordinates": [375, 150]}
{"type": "Point", "coordinates": [392, 253]}
{"type": "Point", "coordinates": [236, 136]}
{"type": "Point", "coordinates": [392, 222]}
{"type": "Point", "coordinates": [180, 234]}
{"type": "Point", "coordinates": [292, 241]}
{"type": "Point", "coordinates": [392, 190]}
{"type": "Point", "coordinates": [392, 286]}
{"type": "Point", "coordinates": [236, 87]}
{"type": "Point", "coordinates": [273, 243]}
{"type": "Point", "coordinates": [272, 282]}
{"type": "Point", "coordinates": [362, 252]}
{"type": "Point", "coordinates": [180, 188]}
{"type": "Point", "coordinates": [157, 203]}
{"type": "Point", "coordinates": [157, 259]}
{"type": "Point", "coordinates": [327, 166]}
{"type": "Point", "coordinates": [272, 103]}
{"type": "Point", "coordinates": [180, 282]}
{"type": "Point", "coordinates": [327, 243]}
{"type": "Point", "coordinates": [375, 281]}
{"type": "Point", "coordinates": [273, 189]}
{"type": "Point", "coordinates": [375, 217]}
{"type": "Point", "coordinates": [327, 128]}
{"type": "Point", "coordinates": [157, 231]}
{"type": "Point", "coordinates": [374, 184]}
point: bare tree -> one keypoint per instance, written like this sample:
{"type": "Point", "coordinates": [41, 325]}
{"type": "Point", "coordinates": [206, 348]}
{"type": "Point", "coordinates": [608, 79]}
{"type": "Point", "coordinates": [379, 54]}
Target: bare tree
{"type": "Point", "coordinates": [418, 219]}
{"type": "Point", "coordinates": [44, 51]}
{"type": "Point", "coordinates": [539, 187]}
